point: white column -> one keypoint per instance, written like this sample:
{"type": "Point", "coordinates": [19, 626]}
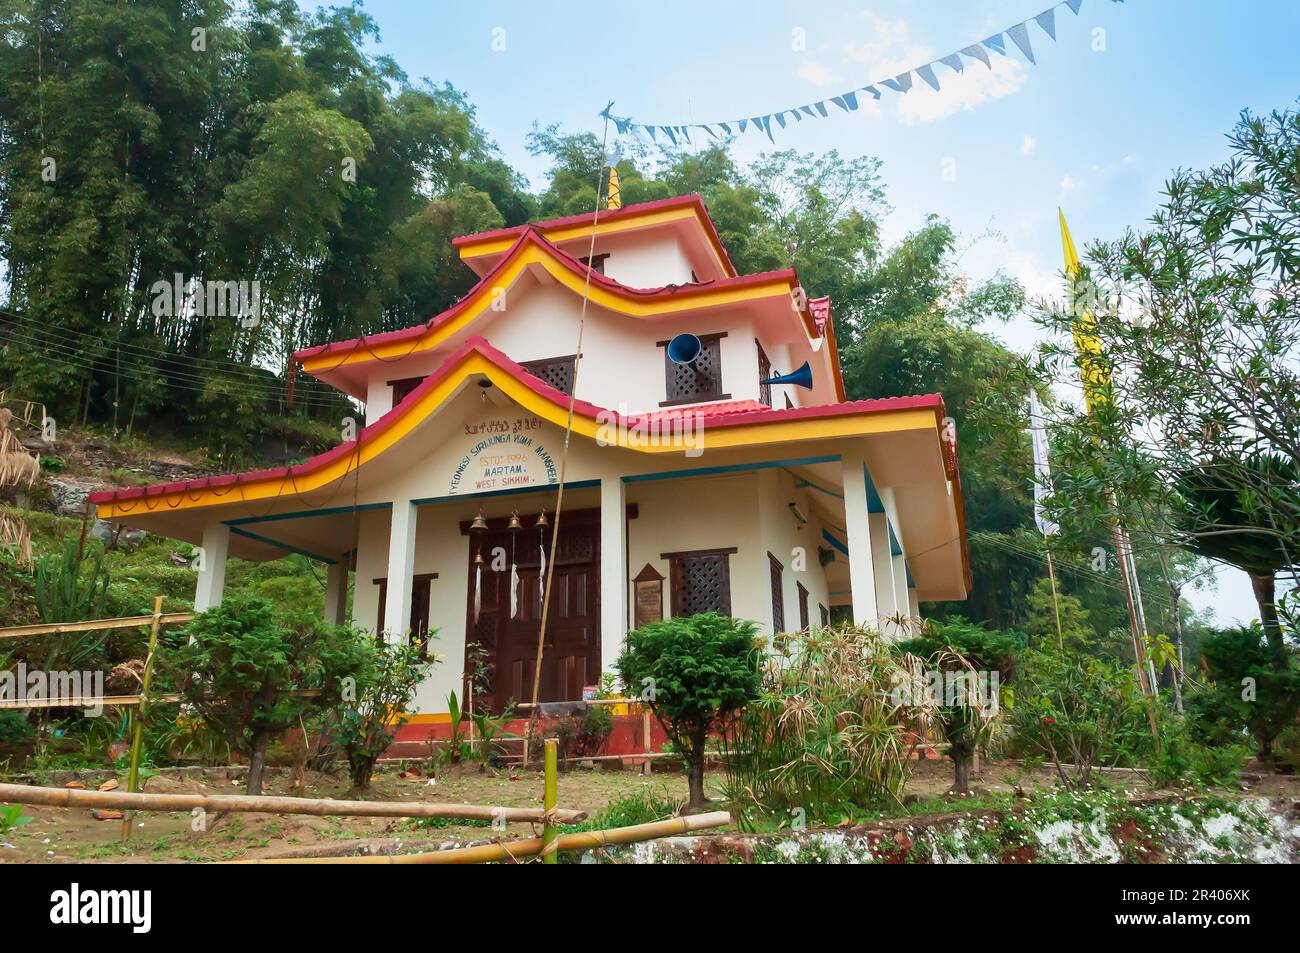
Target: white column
{"type": "Point", "coordinates": [613, 570]}
{"type": "Point", "coordinates": [899, 562]}
{"type": "Point", "coordinates": [862, 584]}
{"type": "Point", "coordinates": [336, 591]}
{"type": "Point", "coordinates": [900, 585]}
{"type": "Point", "coordinates": [883, 568]}
{"type": "Point", "coordinates": [401, 567]}
{"type": "Point", "coordinates": [212, 566]}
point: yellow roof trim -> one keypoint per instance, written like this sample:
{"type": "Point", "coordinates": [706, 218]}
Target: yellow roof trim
{"type": "Point", "coordinates": [715, 438]}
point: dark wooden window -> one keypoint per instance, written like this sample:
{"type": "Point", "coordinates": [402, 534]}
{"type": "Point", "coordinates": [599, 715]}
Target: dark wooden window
{"type": "Point", "coordinates": [764, 372]}
{"type": "Point", "coordinates": [778, 595]}
{"type": "Point", "coordinates": [803, 608]}
{"type": "Point", "coordinates": [595, 262]}
{"type": "Point", "coordinates": [700, 581]}
{"type": "Point", "coordinates": [825, 614]}
{"type": "Point", "coordinates": [403, 387]}
{"type": "Point", "coordinates": [556, 371]}
{"type": "Point", "coordinates": [698, 381]}
{"type": "Point", "coordinates": [420, 589]}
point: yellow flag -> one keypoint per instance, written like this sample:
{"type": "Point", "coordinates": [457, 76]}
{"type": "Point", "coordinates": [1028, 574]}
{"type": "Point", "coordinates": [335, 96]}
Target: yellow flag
{"type": "Point", "coordinates": [1096, 379]}
{"type": "Point", "coordinates": [615, 198]}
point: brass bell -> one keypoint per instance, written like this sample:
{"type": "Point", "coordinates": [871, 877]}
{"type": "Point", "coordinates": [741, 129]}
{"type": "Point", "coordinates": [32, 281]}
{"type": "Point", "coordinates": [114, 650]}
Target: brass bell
{"type": "Point", "coordinates": [480, 524]}
{"type": "Point", "coordinates": [515, 524]}
{"type": "Point", "coordinates": [478, 558]}
{"type": "Point", "coordinates": [542, 521]}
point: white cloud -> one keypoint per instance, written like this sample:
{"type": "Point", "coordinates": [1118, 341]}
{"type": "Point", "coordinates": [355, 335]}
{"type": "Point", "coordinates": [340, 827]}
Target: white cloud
{"type": "Point", "coordinates": [1068, 183]}
{"type": "Point", "coordinates": [889, 52]}
{"type": "Point", "coordinates": [1028, 145]}
{"type": "Point", "coordinates": [963, 91]}
{"type": "Point", "coordinates": [819, 74]}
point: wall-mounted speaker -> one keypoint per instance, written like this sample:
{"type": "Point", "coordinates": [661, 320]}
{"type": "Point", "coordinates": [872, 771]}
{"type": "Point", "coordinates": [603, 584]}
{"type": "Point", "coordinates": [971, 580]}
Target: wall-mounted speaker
{"type": "Point", "coordinates": [684, 348]}
{"type": "Point", "coordinates": [802, 377]}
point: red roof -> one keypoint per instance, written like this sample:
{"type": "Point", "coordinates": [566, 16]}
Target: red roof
{"type": "Point", "coordinates": [529, 234]}
{"type": "Point", "coordinates": [729, 414]}
{"type": "Point", "coordinates": [627, 211]}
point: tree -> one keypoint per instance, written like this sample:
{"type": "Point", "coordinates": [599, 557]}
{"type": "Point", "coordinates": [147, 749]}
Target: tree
{"type": "Point", "coordinates": [1256, 689]}
{"type": "Point", "coordinates": [239, 666]}
{"type": "Point", "coordinates": [1224, 512]}
{"type": "Point", "coordinates": [368, 721]}
{"type": "Point", "coordinates": [964, 657]}
{"type": "Point", "coordinates": [695, 674]}
{"type": "Point", "coordinates": [1196, 365]}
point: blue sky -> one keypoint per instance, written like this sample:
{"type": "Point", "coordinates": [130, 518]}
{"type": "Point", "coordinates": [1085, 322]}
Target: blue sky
{"type": "Point", "coordinates": [1127, 93]}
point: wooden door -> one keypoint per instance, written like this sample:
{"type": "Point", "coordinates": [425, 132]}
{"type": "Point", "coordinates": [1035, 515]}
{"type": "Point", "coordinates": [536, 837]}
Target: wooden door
{"type": "Point", "coordinates": [508, 633]}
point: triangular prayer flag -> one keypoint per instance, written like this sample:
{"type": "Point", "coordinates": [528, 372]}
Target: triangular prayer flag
{"type": "Point", "coordinates": [900, 83]}
{"type": "Point", "coordinates": [780, 119]}
{"type": "Point", "coordinates": [996, 44]}
{"type": "Point", "coordinates": [809, 111]}
{"type": "Point", "coordinates": [726, 127]}
{"type": "Point", "coordinates": [765, 123]}
{"type": "Point", "coordinates": [927, 74]}
{"type": "Point", "coordinates": [742, 124]}
{"type": "Point", "coordinates": [821, 108]}
{"type": "Point", "coordinates": [1020, 36]}
{"type": "Point", "coordinates": [668, 131]}
{"type": "Point", "coordinates": [1074, 5]}
{"type": "Point", "coordinates": [1047, 20]}
{"type": "Point", "coordinates": [953, 62]}
{"type": "Point", "coordinates": [709, 130]}
{"type": "Point", "coordinates": [685, 131]}
{"type": "Point", "coordinates": [875, 93]}
{"type": "Point", "coordinates": [978, 53]}
{"type": "Point", "coordinates": [651, 130]}
{"type": "Point", "coordinates": [797, 115]}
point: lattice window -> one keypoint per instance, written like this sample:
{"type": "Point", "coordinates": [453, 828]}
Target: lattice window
{"type": "Point", "coordinates": [764, 372]}
{"type": "Point", "coordinates": [700, 380]}
{"type": "Point", "coordinates": [700, 581]}
{"type": "Point", "coordinates": [556, 371]}
{"type": "Point", "coordinates": [778, 595]}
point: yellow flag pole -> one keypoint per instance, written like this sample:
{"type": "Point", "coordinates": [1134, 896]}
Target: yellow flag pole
{"type": "Point", "coordinates": [1095, 381]}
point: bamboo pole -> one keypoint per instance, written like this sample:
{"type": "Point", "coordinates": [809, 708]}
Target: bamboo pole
{"type": "Point", "coordinates": [647, 766]}
{"type": "Point", "coordinates": [93, 625]}
{"type": "Point", "coordinates": [133, 775]}
{"type": "Point", "coordinates": [514, 851]}
{"type": "Point", "coordinates": [119, 701]}
{"type": "Point", "coordinates": [267, 804]}
{"type": "Point", "coordinates": [549, 833]}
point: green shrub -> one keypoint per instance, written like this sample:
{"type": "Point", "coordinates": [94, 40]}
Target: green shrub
{"type": "Point", "coordinates": [385, 685]}
{"type": "Point", "coordinates": [1255, 692]}
{"type": "Point", "coordinates": [695, 674]}
{"type": "Point", "coordinates": [1079, 712]}
{"type": "Point", "coordinates": [962, 652]}
{"type": "Point", "coordinates": [239, 665]}
{"type": "Point", "coordinates": [14, 729]}
{"type": "Point", "coordinates": [827, 733]}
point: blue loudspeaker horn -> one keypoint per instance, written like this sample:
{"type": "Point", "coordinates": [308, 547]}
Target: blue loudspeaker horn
{"type": "Point", "coordinates": [802, 377]}
{"type": "Point", "coordinates": [684, 348]}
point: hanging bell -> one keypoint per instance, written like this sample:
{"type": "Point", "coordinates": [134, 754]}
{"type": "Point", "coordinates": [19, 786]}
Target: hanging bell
{"type": "Point", "coordinates": [542, 521]}
{"type": "Point", "coordinates": [515, 525]}
{"type": "Point", "coordinates": [480, 524]}
{"type": "Point", "coordinates": [478, 558]}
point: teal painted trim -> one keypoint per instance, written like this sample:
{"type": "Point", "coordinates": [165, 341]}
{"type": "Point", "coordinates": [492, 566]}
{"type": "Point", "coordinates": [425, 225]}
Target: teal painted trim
{"type": "Point", "coordinates": [809, 484]}
{"type": "Point", "coordinates": [515, 491]}
{"type": "Point", "coordinates": [835, 542]}
{"type": "Point", "coordinates": [279, 545]}
{"type": "Point", "coordinates": [730, 468]}
{"type": "Point", "coordinates": [911, 583]}
{"type": "Point", "coordinates": [895, 549]}
{"type": "Point", "coordinates": [329, 511]}
{"type": "Point", "coordinates": [874, 503]}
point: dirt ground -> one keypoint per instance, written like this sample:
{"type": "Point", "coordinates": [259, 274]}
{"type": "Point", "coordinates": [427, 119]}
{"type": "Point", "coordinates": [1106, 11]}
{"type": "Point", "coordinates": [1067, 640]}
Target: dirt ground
{"type": "Point", "coordinates": [62, 835]}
